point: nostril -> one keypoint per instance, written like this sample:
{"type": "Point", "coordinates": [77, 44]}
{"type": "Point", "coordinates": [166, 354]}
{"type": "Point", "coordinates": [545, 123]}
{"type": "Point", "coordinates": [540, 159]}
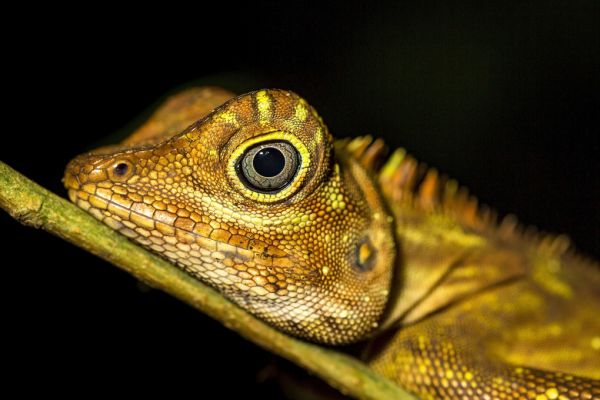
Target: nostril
{"type": "Point", "coordinates": [121, 169]}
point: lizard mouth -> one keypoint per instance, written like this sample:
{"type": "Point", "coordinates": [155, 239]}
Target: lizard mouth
{"type": "Point", "coordinates": [229, 261]}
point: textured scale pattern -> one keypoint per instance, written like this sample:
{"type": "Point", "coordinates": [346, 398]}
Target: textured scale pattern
{"type": "Point", "coordinates": [279, 260]}
{"type": "Point", "coordinates": [450, 303]}
{"type": "Point", "coordinates": [441, 358]}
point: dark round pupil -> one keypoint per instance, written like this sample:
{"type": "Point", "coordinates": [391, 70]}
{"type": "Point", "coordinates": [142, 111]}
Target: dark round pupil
{"type": "Point", "coordinates": [121, 169]}
{"type": "Point", "coordinates": [269, 161]}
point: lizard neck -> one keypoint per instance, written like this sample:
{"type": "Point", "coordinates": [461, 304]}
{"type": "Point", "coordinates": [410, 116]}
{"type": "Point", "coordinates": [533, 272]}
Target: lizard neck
{"type": "Point", "coordinates": [441, 262]}
{"type": "Point", "coordinates": [448, 247]}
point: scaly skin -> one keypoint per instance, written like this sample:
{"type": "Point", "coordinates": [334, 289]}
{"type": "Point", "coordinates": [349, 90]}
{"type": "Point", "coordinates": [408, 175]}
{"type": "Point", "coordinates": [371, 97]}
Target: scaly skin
{"type": "Point", "coordinates": [453, 306]}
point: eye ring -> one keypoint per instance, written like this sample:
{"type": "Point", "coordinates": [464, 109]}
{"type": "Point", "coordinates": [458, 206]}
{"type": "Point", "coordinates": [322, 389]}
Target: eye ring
{"type": "Point", "coordinates": [268, 167]}
{"type": "Point", "coordinates": [277, 192]}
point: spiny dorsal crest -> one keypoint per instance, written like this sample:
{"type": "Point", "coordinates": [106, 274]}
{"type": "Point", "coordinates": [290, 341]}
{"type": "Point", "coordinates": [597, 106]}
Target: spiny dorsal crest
{"type": "Point", "coordinates": [411, 183]}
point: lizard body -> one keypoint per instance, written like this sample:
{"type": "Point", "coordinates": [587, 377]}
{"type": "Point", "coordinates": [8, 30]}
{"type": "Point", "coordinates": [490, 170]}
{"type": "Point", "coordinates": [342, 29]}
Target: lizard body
{"type": "Point", "coordinates": [316, 237]}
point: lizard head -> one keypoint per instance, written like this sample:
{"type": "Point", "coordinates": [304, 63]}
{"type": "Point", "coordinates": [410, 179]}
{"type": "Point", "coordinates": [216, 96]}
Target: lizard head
{"type": "Point", "coordinates": [256, 201]}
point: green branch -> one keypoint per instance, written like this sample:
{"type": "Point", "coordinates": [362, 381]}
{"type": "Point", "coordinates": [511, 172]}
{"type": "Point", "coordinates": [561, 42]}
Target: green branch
{"type": "Point", "coordinates": [33, 205]}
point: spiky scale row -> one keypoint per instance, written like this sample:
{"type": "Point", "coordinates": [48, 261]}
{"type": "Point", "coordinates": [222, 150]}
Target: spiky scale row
{"type": "Point", "coordinates": [411, 183]}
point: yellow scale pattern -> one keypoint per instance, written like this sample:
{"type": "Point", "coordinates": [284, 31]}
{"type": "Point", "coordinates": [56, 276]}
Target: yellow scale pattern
{"type": "Point", "coordinates": [443, 358]}
{"type": "Point", "coordinates": [345, 253]}
{"type": "Point", "coordinates": [278, 255]}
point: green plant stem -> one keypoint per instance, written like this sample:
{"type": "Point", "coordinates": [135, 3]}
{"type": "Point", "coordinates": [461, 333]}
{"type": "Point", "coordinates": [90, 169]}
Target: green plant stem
{"type": "Point", "coordinates": [33, 205]}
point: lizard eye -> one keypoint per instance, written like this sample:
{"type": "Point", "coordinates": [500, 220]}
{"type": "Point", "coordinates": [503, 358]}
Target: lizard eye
{"type": "Point", "coordinates": [269, 166]}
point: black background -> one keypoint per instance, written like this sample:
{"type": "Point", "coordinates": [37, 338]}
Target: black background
{"type": "Point", "coordinates": [504, 98]}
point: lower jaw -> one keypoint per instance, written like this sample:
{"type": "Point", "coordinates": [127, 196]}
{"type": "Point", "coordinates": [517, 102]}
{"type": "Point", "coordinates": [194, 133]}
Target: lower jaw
{"type": "Point", "coordinates": [216, 263]}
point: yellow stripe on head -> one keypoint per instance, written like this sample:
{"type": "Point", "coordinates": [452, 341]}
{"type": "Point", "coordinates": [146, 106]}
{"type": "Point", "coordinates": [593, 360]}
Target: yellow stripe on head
{"type": "Point", "coordinates": [227, 117]}
{"type": "Point", "coordinates": [263, 104]}
{"type": "Point", "coordinates": [300, 112]}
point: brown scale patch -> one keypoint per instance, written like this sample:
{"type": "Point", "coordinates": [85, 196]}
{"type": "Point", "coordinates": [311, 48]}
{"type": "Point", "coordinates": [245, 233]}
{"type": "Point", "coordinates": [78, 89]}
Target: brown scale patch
{"type": "Point", "coordinates": [179, 202]}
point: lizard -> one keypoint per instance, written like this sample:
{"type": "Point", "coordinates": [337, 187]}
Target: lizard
{"type": "Point", "coordinates": [332, 241]}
